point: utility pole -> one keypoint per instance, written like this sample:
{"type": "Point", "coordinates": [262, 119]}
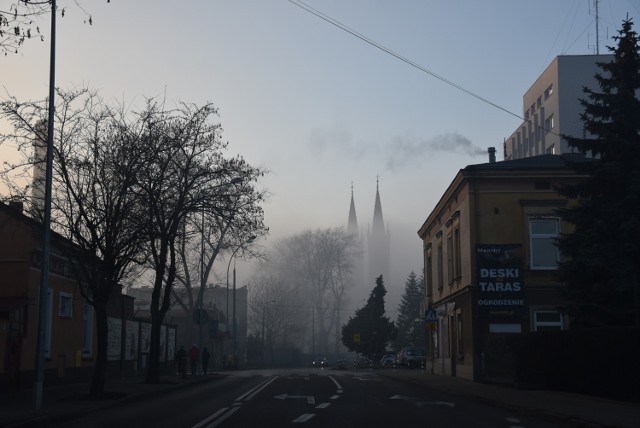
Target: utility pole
{"type": "Point", "coordinates": [43, 303]}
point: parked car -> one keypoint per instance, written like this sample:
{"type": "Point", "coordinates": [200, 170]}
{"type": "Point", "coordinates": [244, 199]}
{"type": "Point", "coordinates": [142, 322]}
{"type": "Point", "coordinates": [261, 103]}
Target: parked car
{"type": "Point", "coordinates": [412, 357]}
{"type": "Point", "coordinates": [362, 363]}
{"type": "Point", "coordinates": [320, 362]}
{"type": "Point", "coordinates": [341, 364]}
{"type": "Point", "coordinates": [388, 360]}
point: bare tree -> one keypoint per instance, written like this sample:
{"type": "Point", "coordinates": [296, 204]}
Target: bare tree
{"type": "Point", "coordinates": [211, 233]}
{"type": "Point", "coordinates": [320, 262]}
{"type": "Point", "coordinates": [18, 22]}
{"type": "Point", "coordinates": [185, 174]}
{"type": "Point", "coordinates": [275, 310]}
{"type": "Point", "coordinates": [94, 204]}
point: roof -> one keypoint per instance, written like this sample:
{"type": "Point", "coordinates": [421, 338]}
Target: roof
{"type": "Point", "coordinates": [546, 161]}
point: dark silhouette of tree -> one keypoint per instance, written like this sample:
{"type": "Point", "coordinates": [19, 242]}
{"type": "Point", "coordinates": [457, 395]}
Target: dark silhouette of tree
{"type": "Point", "coordinates": [94, 203]}
{"type": "Point", "coordinates": [411, 327]}
{"type": "Point", "coordinates": [369, 331]}
{"type": "Point", "coordinates": [185, 173]}
{"type": "Point", "coordinates": [601, 256]}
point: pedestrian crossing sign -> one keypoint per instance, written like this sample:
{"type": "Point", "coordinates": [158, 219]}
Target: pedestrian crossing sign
{"type": "Point", "coordinates": [430, 315]}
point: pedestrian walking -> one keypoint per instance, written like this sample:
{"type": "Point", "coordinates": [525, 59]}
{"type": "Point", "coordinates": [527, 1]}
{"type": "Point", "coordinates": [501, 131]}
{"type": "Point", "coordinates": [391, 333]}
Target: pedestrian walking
{"type": "Point", "coordinates": [194, 354]}
{"type": "Point", "coordinates": [205, 360]}
{"type": "Point", "coordinates": [181, 359]}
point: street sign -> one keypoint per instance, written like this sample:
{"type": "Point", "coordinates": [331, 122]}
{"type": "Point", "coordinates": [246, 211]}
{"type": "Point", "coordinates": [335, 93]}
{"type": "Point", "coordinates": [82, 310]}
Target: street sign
{"type": "Point", "coordinates": [430, 315]}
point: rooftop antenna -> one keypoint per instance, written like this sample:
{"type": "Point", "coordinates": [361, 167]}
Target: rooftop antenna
{"type": "Point", "coordinates": [597, 29]}
{"type": "Point", "coordinates": [597, 8]}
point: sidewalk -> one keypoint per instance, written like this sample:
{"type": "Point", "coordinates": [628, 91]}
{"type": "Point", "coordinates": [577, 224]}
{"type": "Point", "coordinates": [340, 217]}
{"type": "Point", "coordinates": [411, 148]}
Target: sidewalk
{"type": "Point", "coordinates": [560, 407]}
{"type": "Point", "coordinates": [17, 410]}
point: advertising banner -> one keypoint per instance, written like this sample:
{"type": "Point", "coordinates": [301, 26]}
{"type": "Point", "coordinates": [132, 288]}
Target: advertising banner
{"type": "Point", "coordinates": [500, 280]}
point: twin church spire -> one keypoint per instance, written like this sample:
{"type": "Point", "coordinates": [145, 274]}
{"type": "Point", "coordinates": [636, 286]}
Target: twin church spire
{"type": "Point", "coordinates": [377, 239]}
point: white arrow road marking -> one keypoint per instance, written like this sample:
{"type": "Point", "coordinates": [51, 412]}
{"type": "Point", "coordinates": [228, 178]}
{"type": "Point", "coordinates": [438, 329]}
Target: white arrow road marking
{"type": "Point", "coordinates": [310, 398]}
{"type": "Point", "coordinates": [303, 418]}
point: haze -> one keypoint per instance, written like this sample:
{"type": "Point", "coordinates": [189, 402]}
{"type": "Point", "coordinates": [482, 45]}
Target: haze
{"type": "Point", "coordinates": [321, 108]}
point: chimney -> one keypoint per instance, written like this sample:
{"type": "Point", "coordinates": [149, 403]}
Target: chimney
{"type": "Point", "coordinates": [492, 154]}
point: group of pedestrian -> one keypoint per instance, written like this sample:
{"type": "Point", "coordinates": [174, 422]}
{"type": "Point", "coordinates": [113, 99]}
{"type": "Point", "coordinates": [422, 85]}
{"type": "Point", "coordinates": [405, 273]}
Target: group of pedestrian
{"type": "Point", "coordinates": [194, 356]}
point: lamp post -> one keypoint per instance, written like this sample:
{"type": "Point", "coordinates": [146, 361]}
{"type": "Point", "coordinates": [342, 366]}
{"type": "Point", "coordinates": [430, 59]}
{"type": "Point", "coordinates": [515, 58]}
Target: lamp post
{"type": "Point", "coordinates": [264, 309]}
{"type": "Point", "coordinates": [248, 241]}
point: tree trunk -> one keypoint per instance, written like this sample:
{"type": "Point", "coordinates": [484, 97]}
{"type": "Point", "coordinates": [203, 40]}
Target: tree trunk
{"type": "Point", "coordinates": [100, 369]}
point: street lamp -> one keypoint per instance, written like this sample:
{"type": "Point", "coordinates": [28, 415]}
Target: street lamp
{"type": "Point", "coordinates": [248, 241]}
{"type": "Point", "coordinates": [264, 309]}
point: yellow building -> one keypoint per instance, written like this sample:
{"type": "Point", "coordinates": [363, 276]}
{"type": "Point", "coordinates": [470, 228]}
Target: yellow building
{"type": "Point", "coordinates": [490, 263]}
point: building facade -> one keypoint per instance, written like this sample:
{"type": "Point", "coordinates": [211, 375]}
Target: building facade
{"type": "Point", "coordinates": [70, 330]}
{"type": "Point", "coordinates": [490, 263]}
{"type": "Point", "coordinates": [551, 107]}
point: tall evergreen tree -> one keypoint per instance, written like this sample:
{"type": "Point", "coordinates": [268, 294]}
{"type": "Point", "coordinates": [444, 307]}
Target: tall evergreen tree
{"type": "Point", "coordinates": [410, 331]}
{"type": "Point", "coordinates": [369, 331]}
{"type": "Point", "coordinates": [601, 264]}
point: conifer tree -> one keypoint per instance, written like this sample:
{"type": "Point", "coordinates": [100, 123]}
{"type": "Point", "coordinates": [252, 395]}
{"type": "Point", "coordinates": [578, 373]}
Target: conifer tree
{"type": "Point", "coordinates": [370, 326]}
{"type": "Point", "coordinates": [601, 256]}
{"type": "Point", "coordinates": [411, 332]}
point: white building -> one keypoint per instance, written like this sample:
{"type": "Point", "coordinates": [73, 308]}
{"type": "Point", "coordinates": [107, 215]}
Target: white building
{"type": "Point", "coordinates": [551, 107]}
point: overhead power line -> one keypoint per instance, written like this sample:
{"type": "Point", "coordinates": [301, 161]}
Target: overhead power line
{"type": "Point", "coordinates": [396, 55]}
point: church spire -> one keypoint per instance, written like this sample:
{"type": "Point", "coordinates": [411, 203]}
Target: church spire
{"type": "Point", "coordinates": [378, 222]}
{"type": "Point", "coordinates": [352, 224]}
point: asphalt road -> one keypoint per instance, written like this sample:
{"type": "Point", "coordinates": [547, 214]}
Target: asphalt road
{"type": "Point", "coordinates": [305, 398]}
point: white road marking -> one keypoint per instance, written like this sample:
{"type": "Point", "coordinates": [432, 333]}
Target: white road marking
{"type": "Point", "coordinates": [323, 405]}
{"type": "Point", "coordinates": [334, 397]}
{"type": "Point", "coordinates": [215, 419]}
{"type": "Point", "coordinates": [252, 392]}
{"type": "Point", "coordinates": [513, 420]}
{"type": "Point", "coordinates": [303, 418]}
{"type": "Point", "coordinates": [338, 386]}
{"type": "Point", "coordinates": [310, 398]}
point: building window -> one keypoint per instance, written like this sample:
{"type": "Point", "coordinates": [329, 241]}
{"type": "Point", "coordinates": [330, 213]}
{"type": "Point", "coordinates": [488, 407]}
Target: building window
{"type": "Point", "coordinates": [543, 232]}
{"type": "Point", "coordinates": [551, 150]}
{"type": "Point", "coordinates": [429, 271]}
{"type": "Point", "coordinates": [440, 267]}
{"type": "Point", "coordinates": [457, 252]}
{"type": "Point", "coordinates": [549, 123]}
{"type": "Point", "coordinates": [539, 102]}
{"type": "Point", "coordinates": [66, 305]}
{"type": "Point", "coordinates": [450, 258]}
{"type": "Point", "coordinates": [87, 333]}
{"type": "Point", "coordinates": [547, 320]}
{"type": "Point", "coordinates": [548, 92]}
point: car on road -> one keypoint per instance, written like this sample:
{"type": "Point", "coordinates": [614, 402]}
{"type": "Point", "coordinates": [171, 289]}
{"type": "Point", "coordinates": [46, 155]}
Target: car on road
{"type": "Point", "coordinates": [320, 362]}
{"type": "Point", "coordinates": [412, 357]}
{"type": "Point", "coordinates": [388, 360]}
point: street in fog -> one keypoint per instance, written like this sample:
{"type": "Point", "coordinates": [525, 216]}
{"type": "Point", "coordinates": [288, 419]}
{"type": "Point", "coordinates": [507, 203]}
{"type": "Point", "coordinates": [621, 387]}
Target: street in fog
{"type": "Point", "coordinates": [311, 397]}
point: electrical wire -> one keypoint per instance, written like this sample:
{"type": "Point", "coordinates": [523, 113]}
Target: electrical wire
{"type": "Point", "coordinates": [396, 55]}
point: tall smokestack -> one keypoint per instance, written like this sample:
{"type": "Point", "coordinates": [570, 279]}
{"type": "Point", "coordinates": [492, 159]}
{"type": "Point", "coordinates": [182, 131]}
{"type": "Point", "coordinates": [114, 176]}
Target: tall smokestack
{"type": "Point", "coordinates": [492, 154]}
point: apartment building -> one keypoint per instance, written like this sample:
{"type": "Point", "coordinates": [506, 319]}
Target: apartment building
{"type": "Point", "coordinates": [551, 107]}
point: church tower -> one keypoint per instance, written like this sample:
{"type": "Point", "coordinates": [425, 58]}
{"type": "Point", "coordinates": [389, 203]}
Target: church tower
{"type": "Point", "coordinates": [378, 244]}
{"type": "Point", "coordinates": [358, 276]}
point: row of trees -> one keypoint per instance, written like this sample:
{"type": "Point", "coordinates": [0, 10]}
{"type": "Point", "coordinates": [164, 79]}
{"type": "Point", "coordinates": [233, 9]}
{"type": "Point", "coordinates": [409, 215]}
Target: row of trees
{"type": "Point", "coordinates": [300, 300]}
{"type": "Point", "coordinates": [299, 297]}
{"type": "Point", "coordinates": [133, 191]}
